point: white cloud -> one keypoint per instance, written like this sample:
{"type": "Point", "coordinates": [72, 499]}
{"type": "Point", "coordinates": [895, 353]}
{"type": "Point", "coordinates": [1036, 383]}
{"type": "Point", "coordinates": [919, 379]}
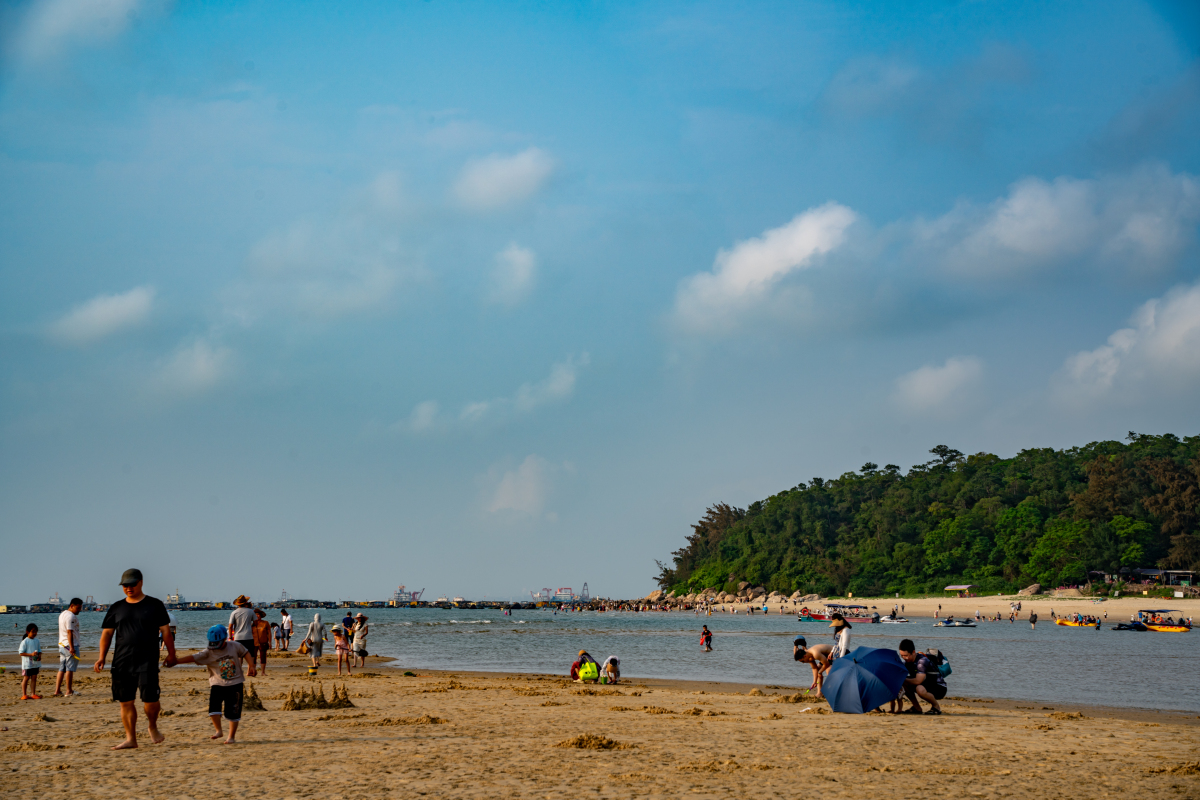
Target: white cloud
{"type": "Point", "coordinates": [522, 490]}
{"type": "Point", "coordinates": [743, 277]}
{"type": "Point", "coordinates": [194, 368]}
{"type": "Point", "coordinates": [497, 181]}
{"type": "Point", "coordinates": [1159, 354]}
{"type": "Point", "coordinates": [513, 276]}
{"type": "Point", "coordinates": [558, 385]}
{"type": "Point", "coordinates": [1140, 221]}
{"type": "Point", "coordinates": [932, 388]}
{"type": "Point", "coordinates": [103, 316]}
{"type": "Point", "coordinates": [51, 26]}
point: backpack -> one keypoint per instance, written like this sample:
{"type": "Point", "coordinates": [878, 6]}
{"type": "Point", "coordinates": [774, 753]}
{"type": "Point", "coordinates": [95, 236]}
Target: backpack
{"type": "Point", "coordinates": [589, 671]}
{"type": "Point", "coordinates": [939, 660]}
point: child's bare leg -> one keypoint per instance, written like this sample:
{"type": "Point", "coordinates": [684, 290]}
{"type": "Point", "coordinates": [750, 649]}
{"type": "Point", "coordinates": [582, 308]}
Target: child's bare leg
{"type": "Point", "coordinates": [216, 721]}
{"type": "Point", "coordinates": [233, 725]}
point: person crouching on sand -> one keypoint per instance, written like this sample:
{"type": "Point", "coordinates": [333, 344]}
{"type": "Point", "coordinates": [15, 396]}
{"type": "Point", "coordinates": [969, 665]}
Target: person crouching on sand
{"type": "Point", "coordinates": [585, 668]}
{"type": "Point", "coordinates": [926, 682]}
{"type": "Point", "coordinates": [816, 657]}
{"type": "Point", "coordinates": [611, 670]}
{"type": "Point", "coordinates": [225, 679]}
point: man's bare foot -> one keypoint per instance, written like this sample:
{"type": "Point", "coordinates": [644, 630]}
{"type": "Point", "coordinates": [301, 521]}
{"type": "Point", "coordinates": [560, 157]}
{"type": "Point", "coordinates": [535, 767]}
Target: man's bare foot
{"type": "Point", "coordinates": [229, 741]}
{"type": "Point", "coordinates": [216, 735]}
{"type": "Point", "coordinates": [156, 737]}
{"type": "Point", "coordinates": [128, 744]}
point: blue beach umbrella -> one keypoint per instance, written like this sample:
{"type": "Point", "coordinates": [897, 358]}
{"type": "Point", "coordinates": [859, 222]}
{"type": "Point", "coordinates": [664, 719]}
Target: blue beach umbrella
{"type": "Point", "coordinates": [864, 679]}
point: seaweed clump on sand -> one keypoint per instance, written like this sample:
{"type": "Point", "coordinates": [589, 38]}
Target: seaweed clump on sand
{"type": "Point", "coordinates": [424, 719]}
{"type": "Point", "coordinates": [592, 741]}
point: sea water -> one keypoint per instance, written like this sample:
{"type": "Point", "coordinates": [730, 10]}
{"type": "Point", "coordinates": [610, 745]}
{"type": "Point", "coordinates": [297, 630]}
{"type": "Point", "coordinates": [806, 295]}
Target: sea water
{"type": "Point", "coordinates": [1053, 664]}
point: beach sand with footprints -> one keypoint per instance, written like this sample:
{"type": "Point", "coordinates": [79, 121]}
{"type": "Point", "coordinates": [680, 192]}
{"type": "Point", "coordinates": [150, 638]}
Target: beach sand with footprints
{"type": "Point", "coordinates": [502, 735]}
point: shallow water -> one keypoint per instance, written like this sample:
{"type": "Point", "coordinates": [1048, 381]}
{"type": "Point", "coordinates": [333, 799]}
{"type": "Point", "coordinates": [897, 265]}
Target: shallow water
{"type": "Point", "coordinates": [1054, 664]}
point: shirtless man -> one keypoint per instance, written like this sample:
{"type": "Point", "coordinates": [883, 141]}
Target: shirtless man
{"type": "Point", "coordinates": [816, 657]}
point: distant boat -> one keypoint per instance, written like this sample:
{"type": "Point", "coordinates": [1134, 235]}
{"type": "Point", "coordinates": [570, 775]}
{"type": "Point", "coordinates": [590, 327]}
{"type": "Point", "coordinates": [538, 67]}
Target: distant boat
{"type": "Point", "coordinates": [459, 600]}
{"type": "Point", "coordinates": [443, 599]}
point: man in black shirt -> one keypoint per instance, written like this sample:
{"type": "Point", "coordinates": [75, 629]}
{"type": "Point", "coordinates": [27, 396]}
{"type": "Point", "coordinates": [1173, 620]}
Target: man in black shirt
{"type": "Point", "coordinates": [137, 621]}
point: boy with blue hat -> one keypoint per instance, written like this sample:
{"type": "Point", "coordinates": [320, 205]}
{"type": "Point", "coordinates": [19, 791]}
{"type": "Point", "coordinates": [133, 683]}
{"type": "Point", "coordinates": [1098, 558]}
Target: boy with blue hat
{"type": "Point", "coordinates": [225, 679]}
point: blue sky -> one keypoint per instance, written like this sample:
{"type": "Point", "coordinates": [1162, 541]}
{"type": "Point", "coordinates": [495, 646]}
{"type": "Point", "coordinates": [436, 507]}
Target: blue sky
{"type": "Point", "coordinates": [489, 297]}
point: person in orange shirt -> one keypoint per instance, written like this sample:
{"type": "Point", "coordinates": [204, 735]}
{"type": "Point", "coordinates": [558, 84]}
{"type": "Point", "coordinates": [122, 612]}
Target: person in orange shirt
{"type": "Point", "coordinates": [262, 636]}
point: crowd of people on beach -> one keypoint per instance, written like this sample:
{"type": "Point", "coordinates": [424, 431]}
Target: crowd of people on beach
{"type": "Point", "coordinates": [142, 627]}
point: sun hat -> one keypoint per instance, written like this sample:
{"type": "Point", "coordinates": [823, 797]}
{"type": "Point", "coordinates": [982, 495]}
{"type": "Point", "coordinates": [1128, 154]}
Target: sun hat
{"type": "Point", "coordinates": [838, 623]}
{"type": "Point", "coordinates": [217, 634]}
{"type": "Point", "coordinates": [360, 614]}
{"type": "Point", "coordinates": [130, 577]}
{"type": "Point", "coordinates": [241, 600]}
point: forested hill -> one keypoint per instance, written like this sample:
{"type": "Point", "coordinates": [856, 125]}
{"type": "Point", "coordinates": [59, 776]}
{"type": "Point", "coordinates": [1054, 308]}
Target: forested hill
{"type": "Point", "coordinates": [1045, 516]}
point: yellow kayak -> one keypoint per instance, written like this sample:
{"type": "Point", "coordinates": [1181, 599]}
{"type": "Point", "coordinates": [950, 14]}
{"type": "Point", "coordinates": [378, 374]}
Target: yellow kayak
{"type": "Point", "coordinates": [1168, 628]}
{"type": "Point", "coordinates": [1073, 624]}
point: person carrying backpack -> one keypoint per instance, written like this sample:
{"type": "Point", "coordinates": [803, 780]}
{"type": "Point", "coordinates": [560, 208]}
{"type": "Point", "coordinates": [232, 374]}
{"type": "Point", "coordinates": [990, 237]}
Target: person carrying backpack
{"type": "Point", "coordinates": [926, 680]}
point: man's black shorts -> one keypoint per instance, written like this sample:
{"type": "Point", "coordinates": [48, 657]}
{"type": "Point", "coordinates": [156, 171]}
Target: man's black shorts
{"type": "Point", "coordinates": [227, 697]}
{"type": "Point", "coordinates": [127, 683]}
{"type": "Point", "coordinates": [934, 689]}
{"type": "Point", "coordinates": [250, 647]}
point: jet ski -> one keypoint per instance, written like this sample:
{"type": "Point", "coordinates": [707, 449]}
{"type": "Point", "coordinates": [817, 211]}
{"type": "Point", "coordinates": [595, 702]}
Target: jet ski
{"type": "Point", "coordinates": [1129, 626]}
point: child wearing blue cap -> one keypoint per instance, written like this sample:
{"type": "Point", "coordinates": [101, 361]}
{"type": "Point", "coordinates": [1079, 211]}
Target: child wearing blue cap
{"type": "Point", "coordinates": [225, 679]}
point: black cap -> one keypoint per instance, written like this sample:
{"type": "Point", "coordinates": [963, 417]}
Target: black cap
{"type": "Point", "coordinates": [130, 576]}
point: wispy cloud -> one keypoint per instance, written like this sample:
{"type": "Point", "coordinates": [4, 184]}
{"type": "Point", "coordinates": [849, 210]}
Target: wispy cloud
{"type": "Point", "coordinates": [938, 388]}
{"type": "Point", "coordinates": [524, 491]}
{"type": "Point", "coordinates": [50, 27]}
{"type": "Point", "coordinates": [954, 104]}
{"type": "Point", "coordinates": [1158, 354]}
{"type": "Point", "coordinates": [497, 181]}
{"type": "Point", "coordinates": [513, 276]}
{"type": "Point", "coordinates": [556, 387]}
{"type": "Point", "coordinates": [103, 316]}
{"type": "Point", "coordinates": [423, 418]}
{"type": "Point", "coordinates": [328, 267]}
{"type": "Point", "coordinates": [194, 368]}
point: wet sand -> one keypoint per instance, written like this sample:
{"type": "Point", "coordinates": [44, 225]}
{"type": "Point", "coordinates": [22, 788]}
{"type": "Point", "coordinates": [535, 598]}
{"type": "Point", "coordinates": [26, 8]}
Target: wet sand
{"type": "Point", "coordinates": [466, 734]}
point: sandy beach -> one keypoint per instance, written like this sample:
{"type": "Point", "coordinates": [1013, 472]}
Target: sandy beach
{"type": "Point", "coordinates": [1119, 609]}
{"type": "Point", "coordinates": [501, 735]}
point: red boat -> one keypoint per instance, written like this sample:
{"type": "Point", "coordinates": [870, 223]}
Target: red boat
{"type": "Point", "coordinates": [851, 613]}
